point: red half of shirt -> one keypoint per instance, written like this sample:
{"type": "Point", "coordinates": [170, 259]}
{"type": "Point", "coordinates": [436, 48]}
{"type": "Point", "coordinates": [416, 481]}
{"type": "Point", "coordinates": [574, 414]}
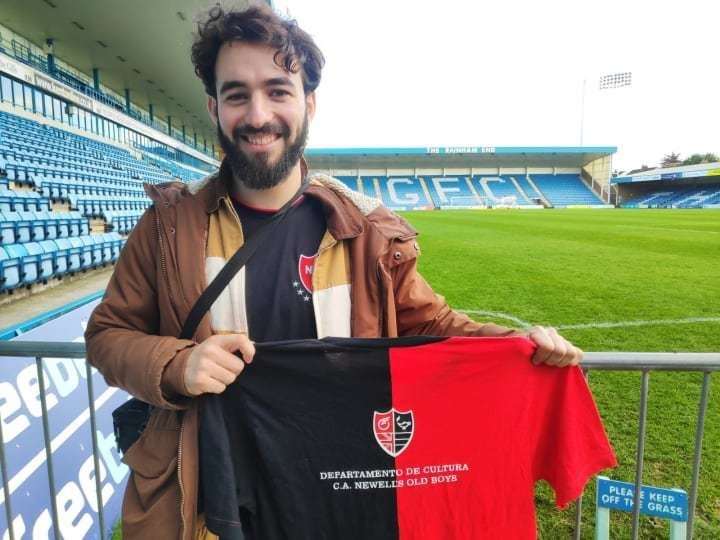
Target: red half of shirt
{"type": "Point", "coordinates": [488, 424]}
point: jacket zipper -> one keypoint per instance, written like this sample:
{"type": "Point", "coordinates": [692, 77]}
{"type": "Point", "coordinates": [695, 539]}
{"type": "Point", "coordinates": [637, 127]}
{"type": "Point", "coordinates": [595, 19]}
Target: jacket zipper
{"type": "Point", "coordinates": [381, 290]}
{"type": "Point", "coordinates": [163, 266]}
{"type": "Point", "coordinates": [182, 490]}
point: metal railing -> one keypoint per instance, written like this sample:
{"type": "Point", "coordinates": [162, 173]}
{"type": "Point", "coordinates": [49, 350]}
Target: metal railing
{"type": "Point", "coordinates": [705, 363]}
{"type": "Point", "coordinates": [644, 363]}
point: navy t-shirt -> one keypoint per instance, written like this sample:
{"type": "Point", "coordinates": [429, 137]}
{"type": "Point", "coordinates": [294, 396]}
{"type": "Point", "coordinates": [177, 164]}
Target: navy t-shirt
{"type": "Point", "coordinates": [278, 277]}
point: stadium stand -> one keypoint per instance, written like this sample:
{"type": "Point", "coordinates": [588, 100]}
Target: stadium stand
{"type": "Point", "coordinates": [450, 191]}
{"type": "Point", "coordinates": [404, 193]}
{"type": "Point", "coordinates": [444, 192]}
{"type": "Point", "coordinates": [53, 184]}
{"type": "Point", "coordinates": [528, 189]}
{"type": "Point", "coordinates": [681, 186]}
{"type": "Point", "coordinates": [565, 190]}
{"type": "Point", "coordinates": [349, 181]}
{"type": "Point", "coordinates": [367, 186]}
{"type": "Point", "coordinates": [500, 190]}
{"type": "Point", "coordinates": [680, 196]}
{"type": "Point", "coordinates": [26, 52]}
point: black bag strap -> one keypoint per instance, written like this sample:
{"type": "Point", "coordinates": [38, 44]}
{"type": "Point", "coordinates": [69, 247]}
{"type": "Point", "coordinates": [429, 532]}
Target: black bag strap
{"type": "Point", "coordinates": [234, 264]}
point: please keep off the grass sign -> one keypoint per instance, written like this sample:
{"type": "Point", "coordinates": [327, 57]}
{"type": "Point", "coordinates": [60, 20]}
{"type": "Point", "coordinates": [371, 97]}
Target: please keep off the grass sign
{"type": "Point", "coordinates": [664, 503]}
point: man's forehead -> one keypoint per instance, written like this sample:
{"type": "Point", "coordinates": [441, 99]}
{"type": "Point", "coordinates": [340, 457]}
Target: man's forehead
{"type": "Point", "coordinates": [251, 64]}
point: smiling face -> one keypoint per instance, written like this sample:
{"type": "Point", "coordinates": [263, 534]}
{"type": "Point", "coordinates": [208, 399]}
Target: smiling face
{"type": "Point", "coordinates": [261, 113]}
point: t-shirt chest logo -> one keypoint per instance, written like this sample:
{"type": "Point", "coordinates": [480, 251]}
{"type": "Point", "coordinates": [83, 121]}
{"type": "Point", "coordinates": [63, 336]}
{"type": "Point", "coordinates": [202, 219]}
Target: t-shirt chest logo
{"type": "Point", "coordinates": [303, 285]}
{"type": "Point", "coordinates": [306, 267]}
{"type": "Point", "coordinates": [393, 430]}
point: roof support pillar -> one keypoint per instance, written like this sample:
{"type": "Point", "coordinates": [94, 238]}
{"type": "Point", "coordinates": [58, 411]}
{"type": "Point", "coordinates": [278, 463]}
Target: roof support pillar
{"type": "Point", "coordinates": [50, 51]}
{"type": "Point", "coordinates": [127, 100]}
{"type": "Point", "coordinates": [96, 79]}
{"type": "Point", "coordinates": [151, 112]}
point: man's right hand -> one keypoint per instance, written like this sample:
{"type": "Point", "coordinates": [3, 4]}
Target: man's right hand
{"type": "Point", "coordinates": [212, 365]}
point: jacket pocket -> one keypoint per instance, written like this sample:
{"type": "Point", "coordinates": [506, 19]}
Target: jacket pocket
{"type": "Point", "coordinates": [153, 459]}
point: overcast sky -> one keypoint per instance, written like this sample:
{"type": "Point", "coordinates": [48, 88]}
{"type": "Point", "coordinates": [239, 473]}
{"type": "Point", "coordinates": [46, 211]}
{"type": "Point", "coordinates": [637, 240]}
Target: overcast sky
{"type": "Point", "coordinates": [510, 73]}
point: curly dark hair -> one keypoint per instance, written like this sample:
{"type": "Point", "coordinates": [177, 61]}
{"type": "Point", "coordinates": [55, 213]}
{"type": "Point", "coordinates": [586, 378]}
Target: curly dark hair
{"type": "Point", "coordinates": [257, 24]}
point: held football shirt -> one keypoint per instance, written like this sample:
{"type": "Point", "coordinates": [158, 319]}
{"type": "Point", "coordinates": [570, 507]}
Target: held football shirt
{"type": "Point", "coordinates": [412, 438]}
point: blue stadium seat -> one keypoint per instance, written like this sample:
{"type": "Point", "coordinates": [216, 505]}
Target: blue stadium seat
{"type": "Point", "coordinates": [7, 200]}
{"type": "Point", "coordinates": [45, 261]}
{"type": "Point", "coordinates": [73, 246]}
{"type": "Point", "coordinates": [74, 223]}
{"type": "Point", "coordinates": [62, 220]}
{"type": "Point", "coordinates": [59, 260]}
{"type": "Point", "coordinates": [28, 262]}
{"type": "Point", "coordinates": [9, 271]}
{"type": "Point", "coordinates": [37, 227]}
{"type": "Point", "coordinates": [23, 227]}
{"type": "Point", "coordinates": [85, 251]}
{"type": "Point", "coordinates": [95, 249]}
{"type": "Point", "coordinates": [116, 241]}
{"type": "Point", "coordinates": [105, 247]}
{"type": "Point", "coordinates": [8, 234]}
{"type": "Point", "coordinates": [49, 222]}
{"type": "Point", "coordinates": [64, 256]}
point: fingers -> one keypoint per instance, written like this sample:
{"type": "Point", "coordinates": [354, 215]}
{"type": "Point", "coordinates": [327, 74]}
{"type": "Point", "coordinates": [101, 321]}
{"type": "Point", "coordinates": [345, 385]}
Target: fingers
{"type": "Point", "coordinates": [235, 343]}
{"type": "Point", "coordinates": [212, 365]}
{"type": "Point", "coordinates": [220, 374]}
{"type": "Point", "coordinates": [544, 343]}
{"type": "Point", "coordinates": [228, 361]}
{"type": "Point", "coordinates": [553, 349]}
{"type": "Point", "coordinates": [211, 386]}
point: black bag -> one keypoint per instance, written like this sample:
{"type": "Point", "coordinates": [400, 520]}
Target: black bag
{"type": "Point", "coordinates": [131, 418]}
{"type": "Point", "coordinates": [129, 421]}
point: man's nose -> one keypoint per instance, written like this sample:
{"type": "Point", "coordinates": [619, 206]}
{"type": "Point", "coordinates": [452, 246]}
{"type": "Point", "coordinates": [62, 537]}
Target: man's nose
{"type": "Point", "coordinates": [258, 113]}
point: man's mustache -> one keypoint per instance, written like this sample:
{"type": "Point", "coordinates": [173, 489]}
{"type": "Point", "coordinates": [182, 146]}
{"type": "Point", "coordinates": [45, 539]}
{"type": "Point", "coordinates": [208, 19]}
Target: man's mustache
{"type": "Point", "coordinates": [266, 129]}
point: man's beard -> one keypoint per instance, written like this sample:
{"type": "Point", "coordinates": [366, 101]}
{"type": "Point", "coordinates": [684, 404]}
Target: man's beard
{"type": "Point", "coordinates": [254, 171]}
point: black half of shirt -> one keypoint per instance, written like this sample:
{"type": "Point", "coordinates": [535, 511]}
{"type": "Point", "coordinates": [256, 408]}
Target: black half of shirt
{"type": "Point", "coordinates": [295, 410]}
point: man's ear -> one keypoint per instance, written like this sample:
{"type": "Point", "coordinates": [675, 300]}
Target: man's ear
{"type": "Point", "coordinates": [310, 105]}
{"type": "Point", "coordinates": [212, 109]}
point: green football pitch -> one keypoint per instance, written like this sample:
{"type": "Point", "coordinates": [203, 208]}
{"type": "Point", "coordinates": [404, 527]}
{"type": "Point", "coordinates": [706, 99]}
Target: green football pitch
{"type": "Point", "coordinates": [609, 280]}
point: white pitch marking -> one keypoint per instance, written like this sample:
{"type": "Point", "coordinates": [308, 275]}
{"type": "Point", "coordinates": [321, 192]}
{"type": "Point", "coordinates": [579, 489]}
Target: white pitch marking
{"type": "Point", "coordinates": [616, 324]}
{"type": "Point", "coordinates": [622, 324]}
{"type": "Point", "coordinates": [666, 229]}
{"type": "Point", "coordinates": [497, 314]}
{"type": "Point", "coordinates": [36, 462]}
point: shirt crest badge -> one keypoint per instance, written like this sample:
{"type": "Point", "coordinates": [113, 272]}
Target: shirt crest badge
{"type": "Point", "coordinates": [393, 430]}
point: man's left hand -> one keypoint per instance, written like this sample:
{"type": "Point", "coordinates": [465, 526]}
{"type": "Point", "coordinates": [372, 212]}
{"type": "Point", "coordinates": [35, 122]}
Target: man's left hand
{"type": "Point", "coordinates": [552, 348]}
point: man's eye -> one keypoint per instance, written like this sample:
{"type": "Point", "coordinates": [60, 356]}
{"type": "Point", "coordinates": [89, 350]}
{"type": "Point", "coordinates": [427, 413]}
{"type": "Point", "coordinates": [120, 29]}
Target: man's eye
{"type": "Point", "coordinates": [236, 97]}
{"type": "Point", "coordinates": [278, 93]}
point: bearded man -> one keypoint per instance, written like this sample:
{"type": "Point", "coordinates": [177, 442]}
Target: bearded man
{"type": "Point", "coordinates": [339, 265]}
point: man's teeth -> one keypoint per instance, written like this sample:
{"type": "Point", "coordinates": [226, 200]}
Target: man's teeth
{"type": "Point", "coordinates": [261, 139]}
